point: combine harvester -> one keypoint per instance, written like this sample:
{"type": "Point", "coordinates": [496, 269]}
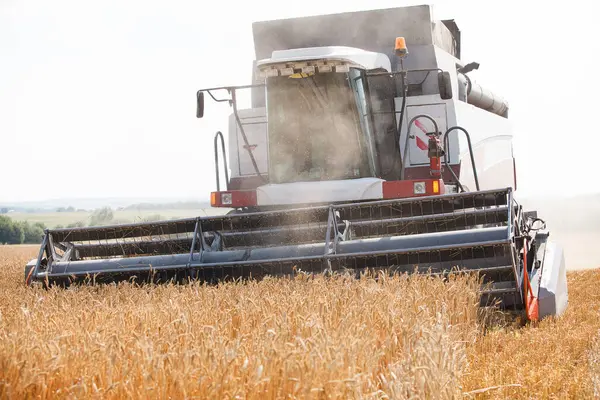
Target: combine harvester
{"type": "Point", "coordinates": [366, 146]}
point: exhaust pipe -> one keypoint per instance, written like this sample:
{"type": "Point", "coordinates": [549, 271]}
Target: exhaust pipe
{"type": "Point", "coordinates": [481, 97]}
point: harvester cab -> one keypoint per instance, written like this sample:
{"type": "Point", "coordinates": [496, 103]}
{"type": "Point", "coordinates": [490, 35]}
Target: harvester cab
{"type": "Point", "coordinates": [366, 146]}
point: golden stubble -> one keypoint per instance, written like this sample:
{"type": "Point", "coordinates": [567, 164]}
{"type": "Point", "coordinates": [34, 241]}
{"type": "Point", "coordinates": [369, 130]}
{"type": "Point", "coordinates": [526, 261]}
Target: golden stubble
{"type": "Point", "coordinates": [287, 338]}
{"type": "Point", "coordinates": [304, 337]}
{"type": "Point", "coordinates": [556, 358]}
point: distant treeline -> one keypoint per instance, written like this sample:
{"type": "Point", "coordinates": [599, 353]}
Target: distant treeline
{"type": "Point", "coordinates": [24, 232]}
{"type": "Point", "coordinates": [20, 232]}
{"type": "Point", "coordinates": [105, 216]}
{"type": "Point", "coordinates": [183, 205]}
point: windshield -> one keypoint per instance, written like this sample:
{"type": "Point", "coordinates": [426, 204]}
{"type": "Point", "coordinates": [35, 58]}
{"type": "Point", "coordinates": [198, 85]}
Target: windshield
{"type": "Point", "coordinates": [314, 129]}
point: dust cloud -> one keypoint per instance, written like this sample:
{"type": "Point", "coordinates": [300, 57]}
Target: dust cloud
{"type": "Point", "coordinates": [314, 131]}
{"type": "Point", "coordinates": [575, 224]}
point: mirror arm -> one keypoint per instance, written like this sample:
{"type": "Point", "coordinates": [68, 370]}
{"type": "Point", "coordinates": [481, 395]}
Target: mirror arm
{"type": "Point", "coordinates": [199, 104]}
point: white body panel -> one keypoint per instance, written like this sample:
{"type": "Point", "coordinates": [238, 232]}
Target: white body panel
{"type": "Point", "coordinates": [320, 192]}
{"type": "Point", "coordinates": [433, 106]}
{"type": "Point", "coordinates": [491, 138]}
{"type": "Point", "coordinates": [551, 287]}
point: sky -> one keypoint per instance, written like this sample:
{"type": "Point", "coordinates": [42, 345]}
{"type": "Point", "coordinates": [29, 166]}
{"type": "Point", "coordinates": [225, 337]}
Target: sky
{"type": "Point", "coordinates": [97, 99]}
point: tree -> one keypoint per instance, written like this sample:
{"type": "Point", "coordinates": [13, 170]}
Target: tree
{"type": "Point", "coordinates": [18, 234]}
{"type": "Point", "coordinates": [33, 233]}
{"type": "Point", "coordinates": [5, 229]}
{"type": "Point", "coordinates": [10, 232]}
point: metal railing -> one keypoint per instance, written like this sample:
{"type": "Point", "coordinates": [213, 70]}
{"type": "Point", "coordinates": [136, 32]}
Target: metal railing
{"type": "Point", "coordinates": [218, 136]}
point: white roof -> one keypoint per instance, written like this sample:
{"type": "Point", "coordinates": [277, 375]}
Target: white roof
{"type": "Point", "coordinates": [357, 57]}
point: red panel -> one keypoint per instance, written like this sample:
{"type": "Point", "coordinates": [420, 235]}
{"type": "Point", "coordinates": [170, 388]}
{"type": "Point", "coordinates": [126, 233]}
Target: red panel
{"type": "Point", "coordinates": [404, 189]}
{"type": "Point", "coordinates": [239, 198]}
{"type": "Point", "coordinates": [398, 189]}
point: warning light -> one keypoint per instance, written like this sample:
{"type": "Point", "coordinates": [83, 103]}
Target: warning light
{"type": "Point", "coordinates": [436, 187]}
{"type": "Point", "coordinates": [213, 199]}
{"type": "Point", "coordinates": [401, 50]}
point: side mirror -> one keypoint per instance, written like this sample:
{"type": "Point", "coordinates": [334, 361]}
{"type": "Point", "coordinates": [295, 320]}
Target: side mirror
{"type": "Point", "coordinates": [445, 85]}
{"type": "Point", "coordinates": [200, 105]}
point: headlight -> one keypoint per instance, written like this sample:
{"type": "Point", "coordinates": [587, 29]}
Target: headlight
{"type": "Point", "coordinates": [419, 188]}
{"type": "Point", "coordinates": [226, 198]}
{"type": "Point", "coordinates": [451, 188]}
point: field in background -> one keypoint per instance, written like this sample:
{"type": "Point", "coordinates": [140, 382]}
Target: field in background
{"type": "Point", "coordinates": [309, 338]}
{"type": "Point", "coordinates": [52, 219]}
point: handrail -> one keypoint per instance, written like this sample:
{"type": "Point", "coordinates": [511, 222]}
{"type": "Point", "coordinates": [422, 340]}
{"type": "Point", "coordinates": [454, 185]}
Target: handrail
{"type": "Point", "coordinates": [229, 90]}
{"type": "Point", "coordinates": [217, 136]}
{"type": "Point", "coordinates": [446, 143]}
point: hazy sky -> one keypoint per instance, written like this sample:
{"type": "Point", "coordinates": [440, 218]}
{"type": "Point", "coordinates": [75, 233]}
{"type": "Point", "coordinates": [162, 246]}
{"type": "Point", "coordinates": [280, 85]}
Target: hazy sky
{"type": "Point", "coordinates": [98, 98]}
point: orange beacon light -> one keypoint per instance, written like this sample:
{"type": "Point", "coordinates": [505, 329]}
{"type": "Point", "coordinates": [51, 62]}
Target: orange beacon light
{"type": "Point", "coordinates": [401, 50]}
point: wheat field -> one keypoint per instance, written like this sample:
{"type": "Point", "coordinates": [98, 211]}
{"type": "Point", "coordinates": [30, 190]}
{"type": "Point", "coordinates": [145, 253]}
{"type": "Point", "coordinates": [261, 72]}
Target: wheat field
{"type": "Point", "coordinates": [314, 338]}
